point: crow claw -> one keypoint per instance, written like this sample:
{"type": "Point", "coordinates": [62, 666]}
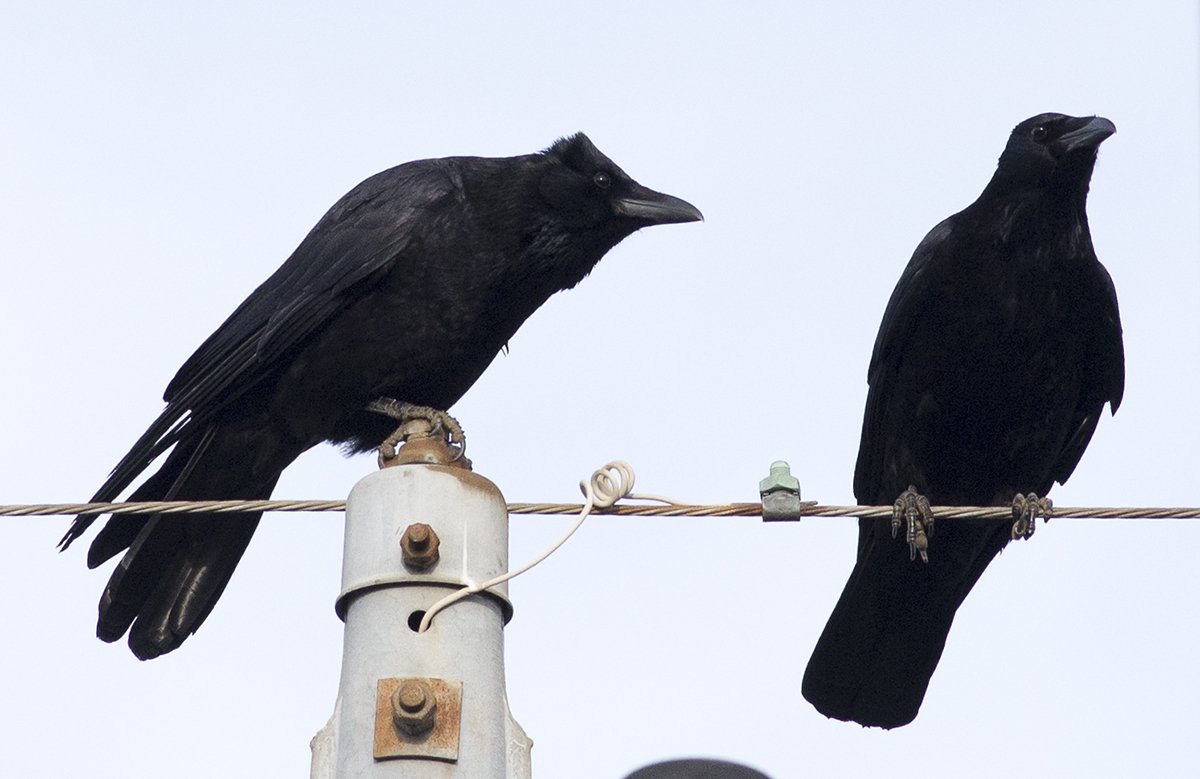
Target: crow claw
{"type": "Point", "coordinates": [417, 421]}
{"type": "Point", "coordinates": [913, 509]}
{"type": "Point", "coordinates": [1026, 509]}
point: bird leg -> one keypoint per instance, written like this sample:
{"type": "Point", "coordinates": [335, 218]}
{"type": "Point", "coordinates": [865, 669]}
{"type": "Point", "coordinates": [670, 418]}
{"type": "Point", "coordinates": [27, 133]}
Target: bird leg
{"type": "Point", "coordinates": [913, 509]}
{"type": "Point", "coordinates": [418, 421]}
{"type": "Point", "coordinates": [1026, 509]}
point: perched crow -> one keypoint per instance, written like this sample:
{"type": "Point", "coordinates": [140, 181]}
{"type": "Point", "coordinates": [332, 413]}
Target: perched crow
{"type": "Point", "coordinates": [997, 352]}
{"type": "Point", "coordinates": [407, 288]}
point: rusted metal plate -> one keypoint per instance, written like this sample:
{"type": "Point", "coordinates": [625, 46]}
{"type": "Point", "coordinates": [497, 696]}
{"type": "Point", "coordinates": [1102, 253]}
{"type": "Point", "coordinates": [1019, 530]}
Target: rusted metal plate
{"type": "Point", "coordinates": [439, 742]}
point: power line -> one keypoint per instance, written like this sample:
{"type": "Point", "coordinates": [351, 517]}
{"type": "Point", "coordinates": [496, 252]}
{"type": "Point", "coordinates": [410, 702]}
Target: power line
{"type": "Point", "coordinates": [754, 510]}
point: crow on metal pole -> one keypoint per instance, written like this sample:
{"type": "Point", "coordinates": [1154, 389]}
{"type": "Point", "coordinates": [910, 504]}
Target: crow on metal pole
{"type": "Point", "coordinates": [407, 289]}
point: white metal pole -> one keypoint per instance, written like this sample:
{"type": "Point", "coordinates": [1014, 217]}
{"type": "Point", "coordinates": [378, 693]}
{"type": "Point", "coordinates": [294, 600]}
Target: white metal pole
{"type": "Point", "coordinates": [429, 704]}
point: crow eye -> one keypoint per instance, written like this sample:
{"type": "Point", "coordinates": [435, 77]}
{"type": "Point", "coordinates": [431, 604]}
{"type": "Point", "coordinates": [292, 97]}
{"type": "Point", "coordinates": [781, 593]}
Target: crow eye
{"type": "Point", "coordinates": [602, 180]}
{"type": "Point", "coordinates": [1039, 133]}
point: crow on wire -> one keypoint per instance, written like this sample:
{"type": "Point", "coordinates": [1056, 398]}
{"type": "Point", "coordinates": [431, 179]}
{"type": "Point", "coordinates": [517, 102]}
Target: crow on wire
{"type": "Point", "coordinates": [998, 350]}
{"type": "Point", "coordinates": [406, 289]}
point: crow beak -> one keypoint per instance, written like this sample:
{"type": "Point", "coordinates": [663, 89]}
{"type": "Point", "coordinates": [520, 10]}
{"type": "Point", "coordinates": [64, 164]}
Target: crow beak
{"type": "Point", "coordinates": [1088, 136]}
{"type": "Point", "coordinates": [646, 205]}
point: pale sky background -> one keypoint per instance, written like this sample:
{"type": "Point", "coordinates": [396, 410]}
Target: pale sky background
{"type": "Point", "coordinates": [158, 162]}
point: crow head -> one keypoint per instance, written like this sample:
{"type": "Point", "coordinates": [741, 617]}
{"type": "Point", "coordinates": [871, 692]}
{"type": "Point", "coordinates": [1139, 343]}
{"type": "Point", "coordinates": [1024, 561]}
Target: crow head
{"type": "Point", "coordinates": [1052, 151]}
{"type": "Point", "coordinates": [588, 191]}
{"type": "Point", "coordinates": [587, 205]}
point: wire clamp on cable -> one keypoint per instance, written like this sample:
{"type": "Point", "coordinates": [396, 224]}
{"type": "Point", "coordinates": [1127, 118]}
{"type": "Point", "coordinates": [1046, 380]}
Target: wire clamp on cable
{"type": "Point", "coordinates": [780, 494]}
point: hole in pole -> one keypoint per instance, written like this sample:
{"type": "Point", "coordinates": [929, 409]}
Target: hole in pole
{"type": "Point", "coordinates": [414, 620]}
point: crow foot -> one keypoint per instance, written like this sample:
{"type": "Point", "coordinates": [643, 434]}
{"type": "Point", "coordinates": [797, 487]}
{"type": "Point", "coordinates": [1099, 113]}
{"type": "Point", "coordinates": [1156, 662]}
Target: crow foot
{"type": "Point", "coordinates": [419, 422]}
{"type": "Point", "coordinates": [912, 508]}
{"type": "Point", "coordinates": [1026, 509]}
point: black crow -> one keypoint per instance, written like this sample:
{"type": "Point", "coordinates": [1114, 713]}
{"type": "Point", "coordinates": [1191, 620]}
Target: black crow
{"type": "Point", "coordinates": [998, 350]}
{"type": "Point", "coordinates": [407, 289]}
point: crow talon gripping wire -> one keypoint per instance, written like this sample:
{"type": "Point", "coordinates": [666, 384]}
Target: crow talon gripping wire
{"type": "Point", "coordinates": [913, 509]}
{"type": "Point", "coordinates": [1026, 509]}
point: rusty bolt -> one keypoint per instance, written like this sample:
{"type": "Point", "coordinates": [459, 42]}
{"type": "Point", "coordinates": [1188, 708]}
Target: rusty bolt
{"type": "Point", "coordinates": [419, 546]}
{"type": "Point", "coordinates": [414, 707]}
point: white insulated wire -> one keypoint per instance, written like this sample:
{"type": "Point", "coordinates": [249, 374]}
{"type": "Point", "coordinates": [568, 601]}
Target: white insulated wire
{"type": "Point", "coordinates": [608, 485]}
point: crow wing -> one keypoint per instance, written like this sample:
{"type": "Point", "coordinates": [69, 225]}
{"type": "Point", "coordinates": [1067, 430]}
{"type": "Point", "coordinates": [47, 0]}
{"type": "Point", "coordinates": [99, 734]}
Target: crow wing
{"type": "Point", "coordinates": [328, 271]}
{"type": "Point", "coordinates": [900, 320]}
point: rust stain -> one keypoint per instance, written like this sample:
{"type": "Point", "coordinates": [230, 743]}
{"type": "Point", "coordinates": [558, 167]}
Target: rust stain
{"type": "Point", "coordinates": [426, 450]}
{"type": "Point", "coordinates": [439, 743]}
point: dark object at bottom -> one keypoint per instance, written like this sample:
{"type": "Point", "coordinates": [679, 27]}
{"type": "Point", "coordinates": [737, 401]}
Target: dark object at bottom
{"type": "Point", "coordinates": [697, 768]}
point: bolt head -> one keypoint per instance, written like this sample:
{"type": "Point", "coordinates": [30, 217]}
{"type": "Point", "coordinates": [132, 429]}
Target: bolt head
{"type": "Point", "coordinates": [419, 546]}
{"type": "Point", "coordinates": [418, 535]}
{"type": "Point", "coordinates": [414, 707]}
{"type": "Point", "coordinates": [411, 697]}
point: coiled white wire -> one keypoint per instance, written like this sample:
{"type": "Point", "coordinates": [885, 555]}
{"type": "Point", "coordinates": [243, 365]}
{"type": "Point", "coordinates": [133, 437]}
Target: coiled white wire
{"type": "Point", "coordinates": [608, 485]}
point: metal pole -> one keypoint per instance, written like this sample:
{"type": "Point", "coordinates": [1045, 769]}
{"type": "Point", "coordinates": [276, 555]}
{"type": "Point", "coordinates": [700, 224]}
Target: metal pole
{"type": "Point", "coordinates": [429, 704]}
